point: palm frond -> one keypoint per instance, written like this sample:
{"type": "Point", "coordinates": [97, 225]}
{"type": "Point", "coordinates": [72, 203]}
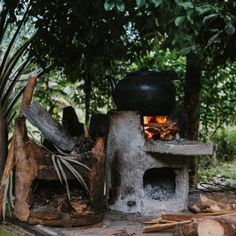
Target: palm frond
{"type": "Point", "coordinates": [11, 105]}
{"type": "Point", "coordinates": [63, 174]}
{"type": "Point", "coordinates": [68, 158]}
{"type": "Point", "coordinates": [58, 160]}
{"type": "Point", "coordinates": [12, 42]}
{"type": "Point", "coordinates": [75, 173]}
{"type": "Point", "coordinates": [12, 84]}
{"type": "Point", "coordinates": [56, 168]}
{"type": "Point", "coordinates": [11, 64]}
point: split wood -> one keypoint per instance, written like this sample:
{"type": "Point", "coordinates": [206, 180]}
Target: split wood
{"type": "Point", "coordinates": [170, 221]}
{"type": "Point", "coordinates": [27, 96]}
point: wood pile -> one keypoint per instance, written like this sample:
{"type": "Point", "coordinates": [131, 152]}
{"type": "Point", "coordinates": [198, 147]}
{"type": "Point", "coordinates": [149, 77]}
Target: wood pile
{"type": "Point", "coordinates": [210, 217]}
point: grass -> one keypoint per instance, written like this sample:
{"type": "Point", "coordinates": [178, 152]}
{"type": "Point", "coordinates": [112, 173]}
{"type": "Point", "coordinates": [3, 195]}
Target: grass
{"type": "Point", "coordinates": [223, 171]}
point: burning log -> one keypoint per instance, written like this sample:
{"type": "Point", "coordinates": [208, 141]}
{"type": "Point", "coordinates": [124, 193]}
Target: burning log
{"type": "Point", "coordinates": [163, 131]}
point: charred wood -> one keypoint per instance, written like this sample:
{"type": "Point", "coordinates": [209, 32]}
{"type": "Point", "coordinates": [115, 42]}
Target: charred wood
{"type": "Point", "coordinates": [71, 122]}
{"type": "Point", "coordinates": [51, 129]}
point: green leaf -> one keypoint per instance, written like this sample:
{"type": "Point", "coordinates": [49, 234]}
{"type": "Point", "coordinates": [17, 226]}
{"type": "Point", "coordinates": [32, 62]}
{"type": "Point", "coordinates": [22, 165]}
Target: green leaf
{"type": "Point", "coordinates": [229, 28]}
{"type": "Point", "coordinates": [120, 6]}
{"type": "Point", "coordinates": [206, 18]}
{"type": "Point", "coordinates": [156, 2]}
{"type": "Point", "coordinates": [202, 9]}
{"type": "Point", "coordinates": [108, 5]}
{"type": "Point", "coordinates": [179, 20]}
{"type": "Point", "coordinates": [212, 39]}
{"type": "Point", "coordinates": [140, 3]}
{"type": "Point", "coordinates": [186, 50]}
{"type": "Point", "coordinates": [186, 5]}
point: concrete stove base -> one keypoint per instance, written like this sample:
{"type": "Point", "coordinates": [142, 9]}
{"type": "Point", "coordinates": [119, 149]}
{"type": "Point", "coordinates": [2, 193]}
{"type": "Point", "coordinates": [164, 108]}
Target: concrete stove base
{"type": "Point", "coordinates": [130, 156]}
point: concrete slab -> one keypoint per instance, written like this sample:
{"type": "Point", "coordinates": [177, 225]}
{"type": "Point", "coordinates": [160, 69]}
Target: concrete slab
{"type": "Point", "coordinates": [183, 148]}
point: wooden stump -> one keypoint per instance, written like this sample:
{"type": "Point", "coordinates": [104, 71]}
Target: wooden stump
{"type": "Point", "coordinates": [41, 199]}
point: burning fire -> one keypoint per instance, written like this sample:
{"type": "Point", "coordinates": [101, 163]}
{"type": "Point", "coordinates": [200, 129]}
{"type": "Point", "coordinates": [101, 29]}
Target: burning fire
{"type": "Point", "coordinates": [159, 127]}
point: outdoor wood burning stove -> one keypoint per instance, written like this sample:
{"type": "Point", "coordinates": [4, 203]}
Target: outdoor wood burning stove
{"type": "Point", "coordinates": [143, 175]}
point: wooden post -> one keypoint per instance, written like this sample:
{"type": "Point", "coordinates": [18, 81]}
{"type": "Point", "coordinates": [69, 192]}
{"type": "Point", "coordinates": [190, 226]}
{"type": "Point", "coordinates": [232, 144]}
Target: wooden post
{"type": "Point", "coordinates": [28, 93]}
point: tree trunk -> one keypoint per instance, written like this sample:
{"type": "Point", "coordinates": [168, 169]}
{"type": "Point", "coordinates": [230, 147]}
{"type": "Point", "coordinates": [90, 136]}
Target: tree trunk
{"type": "Point", "coordinates": [192, 88]}
{"type": "Point", "coordinates": [3, 143]}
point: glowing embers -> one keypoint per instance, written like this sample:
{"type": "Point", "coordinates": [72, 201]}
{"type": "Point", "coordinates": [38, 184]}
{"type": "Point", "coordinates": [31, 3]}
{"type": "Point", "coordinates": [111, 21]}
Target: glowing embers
{"type": "Point", "coordinates": [159, 127]}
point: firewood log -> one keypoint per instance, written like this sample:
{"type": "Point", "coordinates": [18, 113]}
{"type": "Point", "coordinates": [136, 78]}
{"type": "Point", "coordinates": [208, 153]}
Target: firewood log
{"type": "Point", "coordinates": [210, 227]}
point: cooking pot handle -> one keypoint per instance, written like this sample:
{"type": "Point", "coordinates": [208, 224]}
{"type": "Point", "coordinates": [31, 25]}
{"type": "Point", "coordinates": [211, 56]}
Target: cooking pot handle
{"type": "Point", "coordinates": [112, 83]}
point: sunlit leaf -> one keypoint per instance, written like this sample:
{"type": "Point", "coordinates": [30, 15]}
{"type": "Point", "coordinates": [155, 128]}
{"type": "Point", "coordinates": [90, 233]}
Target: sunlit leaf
{"type": "Point", "coordinates": [209, 17]}
{"type": "Point", "coordinates": [109, 5]}
{"type": "Point", "coordinates": [179, 20]}
{"type": "Point", "coordinates": [140, 3]}
{"type": "Point", "coordinates": [186, 5]}
{"type": "Point", "coordinates": [120, 6]}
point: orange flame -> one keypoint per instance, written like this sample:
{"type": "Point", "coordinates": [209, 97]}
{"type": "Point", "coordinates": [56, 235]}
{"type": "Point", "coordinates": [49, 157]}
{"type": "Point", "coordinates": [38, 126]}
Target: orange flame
{"type": "Point", "coordinates": [155, 119]}
{"type": "Point", "coordinates": [161, 119]}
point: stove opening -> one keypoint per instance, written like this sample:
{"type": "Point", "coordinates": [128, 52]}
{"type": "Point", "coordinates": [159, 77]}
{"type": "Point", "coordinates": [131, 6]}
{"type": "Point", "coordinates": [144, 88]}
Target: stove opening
{"type": "Point", "coordinates": [159, 127]}
{"type": "Point", "coordinates": [159, 183]}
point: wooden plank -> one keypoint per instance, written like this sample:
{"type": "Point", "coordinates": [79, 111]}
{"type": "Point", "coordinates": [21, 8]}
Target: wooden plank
{"type": "Point", "coordinates": [51, 129]}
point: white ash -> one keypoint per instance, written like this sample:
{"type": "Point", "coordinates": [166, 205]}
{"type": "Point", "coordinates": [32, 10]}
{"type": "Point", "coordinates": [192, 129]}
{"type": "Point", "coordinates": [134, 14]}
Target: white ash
{"type": "Point", "coordinates": [161, 193]}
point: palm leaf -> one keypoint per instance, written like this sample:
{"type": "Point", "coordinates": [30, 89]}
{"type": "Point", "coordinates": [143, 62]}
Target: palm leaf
{"type": "Point", "coordinates": [56, 168]}
{"type": "Point", "coordinates": [12, 84]}
{"type": "Point", "coordinates": [11, 64]}
{"type": "Point", "coordinates": [75, 161]}
{"type": "Point", "coordinates": [12, 103]}
{"type": "Point", "coordinates": [12, 42]}
{"type": "Point", "coordinates": [63, 174]}
{"type": "Point", "coordinates": [3, 23]}
{"type": "Point", "coordinates": [75, 173]}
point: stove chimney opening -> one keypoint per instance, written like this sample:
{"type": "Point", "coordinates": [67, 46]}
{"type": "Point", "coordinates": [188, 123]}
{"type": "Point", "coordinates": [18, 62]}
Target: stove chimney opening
{"type": "Point", "coordinates": [159, 183]}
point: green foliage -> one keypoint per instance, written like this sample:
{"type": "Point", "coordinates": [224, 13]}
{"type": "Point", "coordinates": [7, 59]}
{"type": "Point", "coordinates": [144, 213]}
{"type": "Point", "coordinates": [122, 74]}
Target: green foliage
{"type": "Point", "coordinates": [13, 63]}
{"type": "Point", "coordinates": [159, 59]}
{"type": "Point", "coordinates": [218, 99]}
{"type": "Point", "coordinates": [225, 141]}
{"type": "Point", "coordinates": [222, 172]}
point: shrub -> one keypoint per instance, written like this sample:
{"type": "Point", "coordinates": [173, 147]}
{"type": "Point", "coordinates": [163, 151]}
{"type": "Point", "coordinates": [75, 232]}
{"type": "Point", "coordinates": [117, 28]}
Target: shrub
{"type": "Point", "coordinates": [225, 143]}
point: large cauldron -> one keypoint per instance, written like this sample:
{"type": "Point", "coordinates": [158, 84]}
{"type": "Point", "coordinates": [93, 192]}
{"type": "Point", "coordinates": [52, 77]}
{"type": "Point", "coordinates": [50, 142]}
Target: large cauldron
{"type": "Point", "coordinates": [152, 93]}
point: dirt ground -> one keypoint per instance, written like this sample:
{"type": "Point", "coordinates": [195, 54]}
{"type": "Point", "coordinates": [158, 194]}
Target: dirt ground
{"type": "Point", "coordinates": [114, 224]}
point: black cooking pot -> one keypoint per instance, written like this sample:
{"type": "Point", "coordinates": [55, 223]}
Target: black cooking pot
{"type": "Point", "coordinates": [149, 92]}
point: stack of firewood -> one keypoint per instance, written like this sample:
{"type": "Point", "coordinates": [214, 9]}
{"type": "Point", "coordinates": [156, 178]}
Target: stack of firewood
{"type": "Point", "coordinates": [210, 217]}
